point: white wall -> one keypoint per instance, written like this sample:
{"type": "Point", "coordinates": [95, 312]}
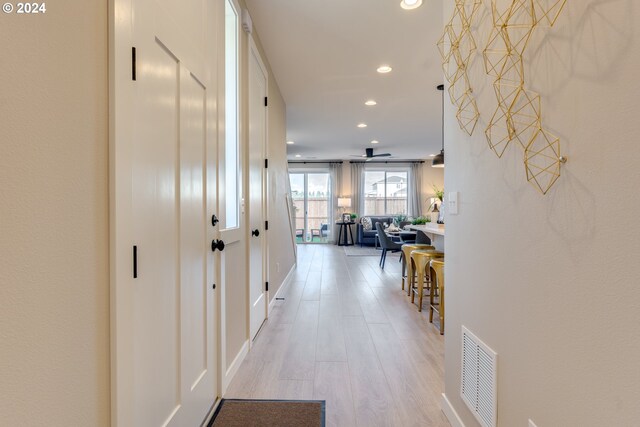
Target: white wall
{"type": "Point", "coordinates": [54, 257]}
{"type": "Point", "coordinates": [551, 282]}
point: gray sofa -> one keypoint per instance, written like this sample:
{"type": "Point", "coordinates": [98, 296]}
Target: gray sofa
{"type": "Point", "coordinates": [368, 237]}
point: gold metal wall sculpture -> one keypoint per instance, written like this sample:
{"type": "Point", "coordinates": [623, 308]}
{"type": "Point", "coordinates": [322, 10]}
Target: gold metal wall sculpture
{"type": "Point", "coordinates": [518, 117]}
{"type": "Point", "coordinates": [456, 46]}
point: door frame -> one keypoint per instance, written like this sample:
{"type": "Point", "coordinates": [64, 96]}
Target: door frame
{"type": "Point", "coordinates": [253, 50]}
{"type": "Point", "coordinates": [227, 370]}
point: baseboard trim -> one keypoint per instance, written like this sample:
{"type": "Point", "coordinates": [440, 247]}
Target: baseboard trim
{"type": "Point", "coordinates": [212, 411]}
{"type": "Point", "coordinates": [287, 280]}
{"type": "Point", "coordinates": [235, 365]}
{"type": "Point", "coordinates": [450, 413]}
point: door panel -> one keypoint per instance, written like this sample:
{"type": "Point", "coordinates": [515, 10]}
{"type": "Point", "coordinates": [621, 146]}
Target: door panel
{"type": "Point", "coordinates": [257, 142]}
{"type": "Point", "coordinates": [174, 346]}
{"type": "Point", "coordinates": [196, 298]}
{"type": "Point", "coordinates": [155, 313]}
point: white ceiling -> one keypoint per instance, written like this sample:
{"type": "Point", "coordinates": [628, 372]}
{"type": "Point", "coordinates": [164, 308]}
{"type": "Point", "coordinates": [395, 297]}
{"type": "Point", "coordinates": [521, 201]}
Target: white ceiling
{"type": "Point", "coordinates": [324, 54]}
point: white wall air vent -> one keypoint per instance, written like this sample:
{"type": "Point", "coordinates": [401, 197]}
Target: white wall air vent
{"type": "Point", "coordinates": [479, 379]}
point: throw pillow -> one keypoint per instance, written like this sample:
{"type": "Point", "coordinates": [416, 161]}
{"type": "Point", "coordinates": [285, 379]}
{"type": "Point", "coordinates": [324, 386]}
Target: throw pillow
{"type": "Point", "coordinates": [367, 225]}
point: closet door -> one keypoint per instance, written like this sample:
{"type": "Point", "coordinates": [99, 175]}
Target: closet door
{"type": "Point", "coordinates": [165, 346]}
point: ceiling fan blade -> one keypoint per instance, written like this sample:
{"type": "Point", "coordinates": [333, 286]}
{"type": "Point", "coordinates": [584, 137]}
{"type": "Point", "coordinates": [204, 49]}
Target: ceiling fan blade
{"type": "Point", "coordinates": [382, 155]}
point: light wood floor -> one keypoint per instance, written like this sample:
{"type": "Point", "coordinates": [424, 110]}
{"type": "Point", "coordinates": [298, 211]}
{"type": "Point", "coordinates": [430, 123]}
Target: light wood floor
{"type": "Point", "coordinates": [347, 334]}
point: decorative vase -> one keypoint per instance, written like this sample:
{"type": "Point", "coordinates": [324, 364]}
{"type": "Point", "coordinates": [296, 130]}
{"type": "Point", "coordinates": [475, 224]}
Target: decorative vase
{"type": "Point", "coordinates": [435, 213]}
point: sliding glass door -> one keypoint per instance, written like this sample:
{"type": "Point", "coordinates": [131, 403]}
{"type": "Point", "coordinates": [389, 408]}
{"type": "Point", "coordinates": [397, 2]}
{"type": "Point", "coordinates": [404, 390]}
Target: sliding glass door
{"type": "Point", "coordinates": [311, 195]}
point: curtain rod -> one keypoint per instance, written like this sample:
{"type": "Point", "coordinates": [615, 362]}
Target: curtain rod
{"type": "Point", "coordinates": [304, 162]}
{"type": "Point", "coordinates": [387, 161]}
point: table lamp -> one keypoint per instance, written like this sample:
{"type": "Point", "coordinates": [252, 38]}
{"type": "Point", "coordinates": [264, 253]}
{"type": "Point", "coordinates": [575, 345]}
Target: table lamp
{"type": "Point", "coordinates": [344, 203]}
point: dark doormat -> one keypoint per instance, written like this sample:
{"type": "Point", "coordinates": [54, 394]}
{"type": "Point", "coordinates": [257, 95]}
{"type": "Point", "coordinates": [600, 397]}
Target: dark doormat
{"type": "Point", "coordinates": [268, 413]}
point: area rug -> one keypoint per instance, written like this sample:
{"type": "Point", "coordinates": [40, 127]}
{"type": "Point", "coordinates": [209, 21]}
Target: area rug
{"type": "Point", "coordinates": [269, 413]}
{"type": "Point", "coordinates": [366, 251]}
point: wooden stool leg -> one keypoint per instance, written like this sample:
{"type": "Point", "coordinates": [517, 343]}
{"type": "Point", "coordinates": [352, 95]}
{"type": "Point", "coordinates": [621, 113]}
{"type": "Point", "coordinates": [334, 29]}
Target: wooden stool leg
{"type": "Point", "coordinates": [404, 268]}
{"type": "Point", "coordinates": [441, 311]}
{"type": "Point", "coordinates": [410, 278]}
{"type": "Point", "coordinates": [420, 290]}
{"type": "Point", "coordinates": [412, 283]}
{"type": "Point", "coordinates": [432, 294]}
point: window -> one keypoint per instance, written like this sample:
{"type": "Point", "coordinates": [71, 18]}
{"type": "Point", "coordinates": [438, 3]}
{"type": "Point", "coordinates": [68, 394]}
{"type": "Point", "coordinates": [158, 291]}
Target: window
{"type": "Point", "coordinates": [385, 192]}
{"type": "Point", "coordinates": [231, 117]}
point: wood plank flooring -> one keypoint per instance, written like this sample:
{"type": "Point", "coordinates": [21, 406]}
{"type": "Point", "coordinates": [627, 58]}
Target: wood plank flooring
{"type": "Point", "coordinates": [347, 334]}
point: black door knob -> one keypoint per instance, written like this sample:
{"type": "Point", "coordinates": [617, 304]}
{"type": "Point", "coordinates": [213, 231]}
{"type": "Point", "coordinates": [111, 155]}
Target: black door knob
{"type": "Point", "coordinates": [217, 244]}
{"type": "Point", "coordinates": [214, 220]}
{"type": "Point", "coordinates": [255, 232]}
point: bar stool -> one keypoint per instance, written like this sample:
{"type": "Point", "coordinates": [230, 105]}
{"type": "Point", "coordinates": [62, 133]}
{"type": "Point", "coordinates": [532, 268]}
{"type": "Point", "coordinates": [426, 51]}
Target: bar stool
{"type": "Point", "coordinates": [437, 265]}
{"type": "Point", "coordinates": [421, 260]}
{"type": "Point", "coordinates": [407, 265]}
{"type": "Point", "coordinates": [412, 264]}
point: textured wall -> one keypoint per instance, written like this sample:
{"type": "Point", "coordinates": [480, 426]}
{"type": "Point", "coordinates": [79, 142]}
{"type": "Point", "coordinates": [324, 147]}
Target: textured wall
{"type": "Point", "coordinates": [551, 282]}
{"type": "Point", "coordinates": [54, 276]}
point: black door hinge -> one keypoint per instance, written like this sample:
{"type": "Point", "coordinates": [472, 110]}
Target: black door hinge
{"type": "Point", "coordinates": [266, 225]}
{"type": "Point", "coordinates": [135, 261]}
{"type": "Point", "coordinates": [266, 163]}
{"type": "Point", "coordinates": [133, 64]}
{"type": "Point", "coordinates": [266, 102]}
{"type": "Point", "coordinates": [266, 286]}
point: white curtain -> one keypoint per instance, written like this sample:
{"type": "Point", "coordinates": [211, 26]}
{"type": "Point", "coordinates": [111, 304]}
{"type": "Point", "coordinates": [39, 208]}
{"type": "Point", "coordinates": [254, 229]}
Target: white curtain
{"type": "Point", "coordinates": [336, 188]}
{"type": "Point", "coordinates": [415, 189]}
{"type": "Point", "coordinates": [357, 188]}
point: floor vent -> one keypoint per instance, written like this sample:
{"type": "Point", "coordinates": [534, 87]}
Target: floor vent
{"type": "Point", "coordinates": [479, 379]}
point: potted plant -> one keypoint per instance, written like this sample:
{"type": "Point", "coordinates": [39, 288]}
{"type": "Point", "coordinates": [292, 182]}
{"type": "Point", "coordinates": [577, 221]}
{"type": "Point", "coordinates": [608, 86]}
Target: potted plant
{"type": "Point", "coordinates": [399, 218]}
{"type": "Point", "coordinates": [433, 207]}
{"type": "Point", "coordinates": [421, 220]}
{"type": "Point", "coordinates": [438, 194]}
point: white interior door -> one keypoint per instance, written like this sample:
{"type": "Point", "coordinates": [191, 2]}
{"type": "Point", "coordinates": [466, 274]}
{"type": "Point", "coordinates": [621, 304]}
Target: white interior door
{"type": "Point", "coordinates": [257, 146]}
{"type": "Point", "coordinates": [165, 335]}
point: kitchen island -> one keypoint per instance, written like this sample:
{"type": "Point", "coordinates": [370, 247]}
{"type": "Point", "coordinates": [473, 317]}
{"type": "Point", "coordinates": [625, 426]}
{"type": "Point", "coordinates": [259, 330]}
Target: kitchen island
{"type": "Point", "coordinates": [434, 231]}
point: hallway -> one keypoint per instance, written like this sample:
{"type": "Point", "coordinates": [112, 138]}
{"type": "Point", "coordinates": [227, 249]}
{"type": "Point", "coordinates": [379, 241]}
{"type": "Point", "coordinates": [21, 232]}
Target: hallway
{"type": "Point", "coordinates": [347, 334]}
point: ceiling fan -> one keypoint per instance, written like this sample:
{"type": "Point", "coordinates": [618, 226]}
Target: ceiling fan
{"type": "Point", "coordinates": [370, 156]}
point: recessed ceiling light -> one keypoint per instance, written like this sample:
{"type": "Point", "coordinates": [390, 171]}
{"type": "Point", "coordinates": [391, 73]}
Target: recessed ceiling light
{"type": "Point", "coordinates": [375, 142]}
{"type": "Point", "coordinates": [432, 155]}
{"type": "Point", "coordinates": [410, 4]}
{"type": "Point", "coordinates": [290, 142]}
{"type": "Point", "coordinates": [362, 125]}
{"type": "Point", "coordinates": [298, 155]}
{"type": "Point", "coordinates": [370, 102]}
{"type": "Point", "coordinates": [384, 69]}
